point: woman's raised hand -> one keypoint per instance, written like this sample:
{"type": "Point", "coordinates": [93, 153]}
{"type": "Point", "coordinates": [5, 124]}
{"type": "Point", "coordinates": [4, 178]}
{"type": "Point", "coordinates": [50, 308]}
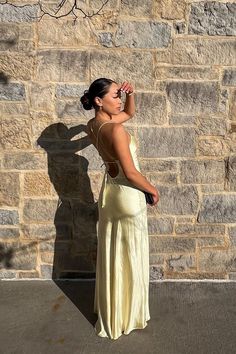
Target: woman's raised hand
{"type": "Point", "coordinates": [126, 87]}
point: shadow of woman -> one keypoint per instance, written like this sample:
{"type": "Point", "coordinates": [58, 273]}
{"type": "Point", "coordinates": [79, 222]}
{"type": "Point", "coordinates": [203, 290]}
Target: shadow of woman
{"type": "Point", "coordinates": [76, 215]}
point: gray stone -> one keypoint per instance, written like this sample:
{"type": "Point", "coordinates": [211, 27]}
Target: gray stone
{"type": "Point", "coordinates": [202, 171]}
{"type": "Point", "coordinates": [67, 90]}
{"type": "Point", "coordinates": [27, 13]}
{"type": "Point", "coordinates": [182, 120]}
{"type": "Point", "coordinates": [167, 72]}
{"type": "Point", "coordinates": [24, 161]}
{"type": "Point", "coordinates": [156, 112]}
{"type": "Point", "coordinates": [9, 217]}
{"type": "Point", "coordinates": [160, 226]}
{"type": "Point", "coordinates": [212, 188]}
{"type": "Point", "coordinates": [158, 165]}
{"type": "Point", "coordinates": [140, 34]}
{"type": "Point", "coordinates": [156, 259]}
{"type": "Point", "coordinates": [72, 108]}
{"type": "Point", "coordinates": [106, 39]}
{"type": "Point", "coordinates": [40, 232]}
{"type": "Point", "coordinates": [211, 242]}
{"type": "Point", "coordinates": [213, 126]}
{"type": "Point", "coordinates": [9, 233]}
{"type": "Point", "coordinates": [171, 244]}
{"type": "Point", "coordinates": [12, 92]}
{"type": "Point", "coordinates": [212, 18]}
{"type": "Point", "coordinates": [136, 8]}
{"type": "Point", "coordinates": [219, 208]}
{"type": "Point", "coordinates": [156, 273]}
{"type": "Point", "coordinates": [217, 260]}
{"type": "Point", "coordinates": [9, 35]}
{"type": "Point", "coordinates": [39, 210]}
{"type": "Point", "coordinates": [193, 97]}
{"type": "Point", "coordinates": [166, 142]}
{"type": "Point", "coordinates": [180, 27]}
{"type": "Point", "coordinates": [231, 173]}
{"type": "Point", "coordinates": [135, 66]}
{"type": "Point", "coordinates": [196, 229]}
{"type": "Point", "coordinates": [62, 65]}
{"type": "Point", "coordinates": [181, 263]}
{"type": "Point", "coordinates": [46, 271]}
{"type": "Point", "coordinates": [8, 274]}
{"type": "Point", "coordinates": [19, 255]}
{"type": "Point", "coordinates": [229, 77]}
{"type": "Point", "coordinates": [232, 235]}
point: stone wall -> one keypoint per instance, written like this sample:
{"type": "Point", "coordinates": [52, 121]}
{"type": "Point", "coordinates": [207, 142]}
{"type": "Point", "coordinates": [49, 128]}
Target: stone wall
{"type": "Point", "coordinates": [181, 58]}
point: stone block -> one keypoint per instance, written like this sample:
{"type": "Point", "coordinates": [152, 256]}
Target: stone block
{"type": "Point", "coordinates": [170, 9]}
{"type": "Point", "coordinates": [9, 34]}
{"type": "Point", "coordinates": [135, 66]}
{"type": "Point", "coordinates": [229, 77]}
{"type": "Point", "coordinates": [156, 112]}
{"type": "Point", "coordinates": [156, 273]}
{"type": "Point", "coordinates": [8, 274]}
{"type": "Point", "coordinates": [9, 217]}
{"type": "Point", "coordinates": [27, 13]}
{"type": "Point", "coordinates": [213, 126]}
{"type": "Point", "coordinates": [12, 92]}
{"type": "Point", "coordinates": [166, 142]}
{"type": "Point", "coordinates": [232, 236]}
{"type": "Point", "coordinates": [41, 96]}
{"type": "Point", "coordinates": [199, 230]}
{"type": "Point", "coordinates": [177, 200]}
{"type": "Point", "coordinates": [65, 33]}
{"type": "Point", "coordinates": [9, 233]}
{"type": "Point", "coordinates": [160, 226]}
{"type": "Point", "coordinates": [142, 34]}
{"type": "Point", "coordinates": [37, 184]}
{"type": "Point", "coordinates": [210, 242]}
{"type": "Point", "coordinates": [158, 165]}
{"type": "Point", "coordinates": [15, 133]}
{"type": "Point", "coordinates": [24, 161]}
{"type": "Point", "coordinates": [46, 271]}
{"type": "Point", "coordinates": [167, 244]}
{"type": "Point", "coordinates": [156, 259]}
{"type": "Point", "coordinates": [202, 171]}
{"type": "Point", "coordinates": [9, 189]}
{"type": "Point", "coordinates": [70, 91]}
{"type": "Point", "coordinates": [18, 256]}
{"type": "Point", "coordinates": [17, 66]}
{"type": "Point", "coordinates": [28, 275]}
{"type": "Point", "coordinates": [212, 18]}
{"type": "Point", "coordinates": [218, 208]}
{"type": "Point", "coordinates": [217, 260]}
{"type": "Point", "coordinates": [137, 8]}
{"type": "Point", "coordinates": [203, 51]}
{"type": "Point", "coordinates": [191, 73]}
{"type": "Point", "coordinates": [193, 97]}
{"type": "Point", "coordinates": [232, 105]}
{"type": "Point", "coordinates": [8, 108]}
{"type": "Point", "coordinates": [213, 146]}
{"type": "Point", "coordinates": [231, 173]}
{"type": "Point", "coordinates": [181, 263]}
{"type": "Point", "coordinates": [62, 65]}
{"type": "Point", "coordinates": [182, 120]}
{"type": "Point", "coordinates": [40, 210]}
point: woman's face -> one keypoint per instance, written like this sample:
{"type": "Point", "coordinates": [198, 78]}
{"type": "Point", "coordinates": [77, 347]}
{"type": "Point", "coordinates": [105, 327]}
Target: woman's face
{"type": "Point", "coordinates": [111, 102]}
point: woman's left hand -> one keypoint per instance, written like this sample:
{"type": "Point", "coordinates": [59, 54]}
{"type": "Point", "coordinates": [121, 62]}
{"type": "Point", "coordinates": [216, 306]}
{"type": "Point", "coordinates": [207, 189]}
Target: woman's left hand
{"type": "Point", "coordinates": [126, 87]}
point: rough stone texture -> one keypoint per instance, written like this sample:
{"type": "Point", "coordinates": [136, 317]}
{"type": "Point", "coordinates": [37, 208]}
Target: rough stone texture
{"type": "Point", "coordinates": [180, 57]}
{"type": "Point", "coordinates": [202, 171]}
{"type": "Point", "coordinates": [193, 97]}
{"type": "Point", "coordinates": [12, 92]}
{"type": "Point", "coordinates": [212, 18]}
{"type": "Point", "coordinates": [9, 217]}
{"type": "Point", "coordinates": [104, 62]}
{"type": "Point", "coordinates": [139, 34]}
{"type": "Point", "coordinates": [218, 208]}
{"type": "Point", "coordinates": [167, 141]}
{"type": "Point", "coordinates": [9, 189]}
{"type": "Point", "coordinates": [9, 13]}
{"type": "Point", "coordinates": [62, 65]}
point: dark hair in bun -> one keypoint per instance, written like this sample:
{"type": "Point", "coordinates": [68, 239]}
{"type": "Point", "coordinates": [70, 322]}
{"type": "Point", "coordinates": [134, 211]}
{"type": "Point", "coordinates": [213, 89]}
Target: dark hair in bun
{"type": "Point", "coordinates": [98, 88]}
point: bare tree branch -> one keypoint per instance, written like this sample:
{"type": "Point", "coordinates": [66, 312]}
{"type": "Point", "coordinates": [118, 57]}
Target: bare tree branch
{"type": "Point", "coordinates": [62, 3]}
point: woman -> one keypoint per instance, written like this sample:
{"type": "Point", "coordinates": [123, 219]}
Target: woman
{"type": "Point", "coordinates": [122, 270]}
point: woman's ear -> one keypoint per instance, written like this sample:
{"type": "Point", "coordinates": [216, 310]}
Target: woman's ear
{"type": "Point", "coordinates": [98, 101]}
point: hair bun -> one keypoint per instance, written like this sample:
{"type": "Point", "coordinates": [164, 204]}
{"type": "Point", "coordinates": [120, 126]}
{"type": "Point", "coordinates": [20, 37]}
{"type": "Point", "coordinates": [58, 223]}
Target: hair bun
{"type": "Point", "coordinates": [85, 100]}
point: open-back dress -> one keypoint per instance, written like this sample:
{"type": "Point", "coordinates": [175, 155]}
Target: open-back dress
{"type": "Point", "coordinates": [122, 271]}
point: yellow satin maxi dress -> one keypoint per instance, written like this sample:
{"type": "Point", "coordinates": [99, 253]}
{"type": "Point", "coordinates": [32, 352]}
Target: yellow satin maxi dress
{"type": "Point", "coordinates": [122, 271]}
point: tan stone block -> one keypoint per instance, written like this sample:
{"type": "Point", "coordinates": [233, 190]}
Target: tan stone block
{"type": "Point", "coordinates": [9, 189]}
{"type": "Point", "coordinates": [213, 146]}
{"type": "Point", "coordinates": [13, 108]}
{"type": "Point", "coordinates": [194, 275]}
{"type": "Point", "coordinates": [41, 125]}
{"type": "Point", "coordinates": [204, 51]}
{"type": "Point", "coordinates": [64, 33]}
{"type": "Point", "coordinates": [186, 73]}
{"type": "Point", "coordinates": [37, 184]}
{"type": "Point", "coordinates": [47, 257]}
{"type": "Point", "coordinates": [232, 105]}
{"type": "Point", "coordinates": [217, 260]}
{"type": "Point", "coordinates": [19, 66]}
{"type": "Point", "coordinates": [41, 96]}
{"type": "Point", "coordinates": [15, 133]}
{"type": "Point", "coordinates": [170, 9]}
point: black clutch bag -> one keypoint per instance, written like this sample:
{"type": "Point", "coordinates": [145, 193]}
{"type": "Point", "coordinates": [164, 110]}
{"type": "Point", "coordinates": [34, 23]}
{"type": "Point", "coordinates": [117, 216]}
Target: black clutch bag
{"type": "Point", "coordinates": [149, 197]}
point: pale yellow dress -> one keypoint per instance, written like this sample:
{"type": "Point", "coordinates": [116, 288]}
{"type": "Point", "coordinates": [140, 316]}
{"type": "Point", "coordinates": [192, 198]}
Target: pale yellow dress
{"type": "Point", "coordinates": [122, 270]}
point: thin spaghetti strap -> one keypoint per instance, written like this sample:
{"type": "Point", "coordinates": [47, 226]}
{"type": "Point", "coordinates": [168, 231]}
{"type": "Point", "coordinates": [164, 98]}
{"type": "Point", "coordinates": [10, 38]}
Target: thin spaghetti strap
{"type": "Point", "coordinates": [99, 130]}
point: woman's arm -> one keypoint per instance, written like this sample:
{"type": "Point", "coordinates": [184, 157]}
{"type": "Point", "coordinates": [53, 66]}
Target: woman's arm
{"type": "Point", "coordinates": [129, 107]}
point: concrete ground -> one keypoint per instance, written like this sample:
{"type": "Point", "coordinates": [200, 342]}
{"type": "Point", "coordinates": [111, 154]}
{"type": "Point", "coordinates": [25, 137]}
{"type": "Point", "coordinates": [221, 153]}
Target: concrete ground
{"type": "Point", "coordinates": [44, 317]}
